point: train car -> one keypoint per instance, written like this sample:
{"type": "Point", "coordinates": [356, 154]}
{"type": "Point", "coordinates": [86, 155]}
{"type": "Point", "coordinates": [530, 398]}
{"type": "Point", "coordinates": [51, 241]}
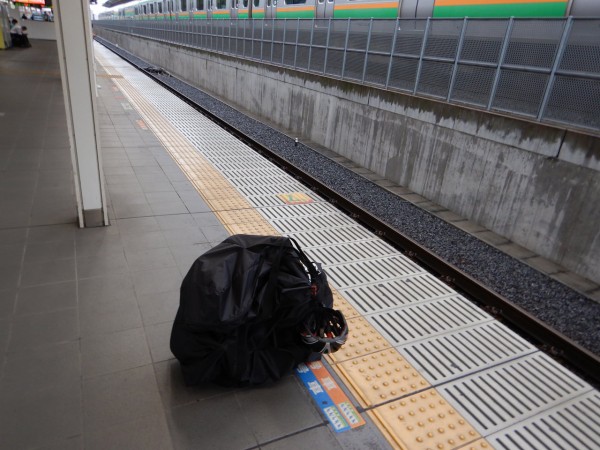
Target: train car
{"type": "Point", "coordinates": [360, 9]}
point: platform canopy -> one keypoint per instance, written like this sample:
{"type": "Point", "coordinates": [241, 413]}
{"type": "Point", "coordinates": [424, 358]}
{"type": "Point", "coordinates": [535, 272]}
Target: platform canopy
{"type": "Point", "coordinates": [111, 3]}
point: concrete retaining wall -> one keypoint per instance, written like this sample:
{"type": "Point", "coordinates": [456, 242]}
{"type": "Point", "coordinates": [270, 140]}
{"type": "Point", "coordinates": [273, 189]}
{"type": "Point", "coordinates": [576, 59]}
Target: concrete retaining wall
{"type": "Point", "coordinates": [536, 185]}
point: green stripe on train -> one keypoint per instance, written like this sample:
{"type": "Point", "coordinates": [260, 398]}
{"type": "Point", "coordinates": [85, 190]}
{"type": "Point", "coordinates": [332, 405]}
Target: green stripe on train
{"type": "Point", "coordinates": [377, 13]}
{"type": "Point", "coordinates": [507, 10]}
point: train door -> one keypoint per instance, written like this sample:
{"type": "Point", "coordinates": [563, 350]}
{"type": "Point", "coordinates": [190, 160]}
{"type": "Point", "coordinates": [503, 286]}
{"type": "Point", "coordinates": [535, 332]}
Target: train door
{"type": "Point", "coordinates": [271, 9]}
{"type": "Point", "coordinates": [234, 8]}
{"type": "Point", "coordinates": [324, 8]}
{"type": "Point", "coordinates": [257, 9]}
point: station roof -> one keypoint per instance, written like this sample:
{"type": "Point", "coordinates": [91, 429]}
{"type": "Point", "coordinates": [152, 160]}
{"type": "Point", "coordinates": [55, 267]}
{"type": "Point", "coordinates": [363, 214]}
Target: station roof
{"type": "Point", "coordinates": [111, 3]}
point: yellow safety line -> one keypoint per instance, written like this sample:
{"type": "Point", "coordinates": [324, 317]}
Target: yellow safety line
{"type": "Point", "coordinates": [415, 415]}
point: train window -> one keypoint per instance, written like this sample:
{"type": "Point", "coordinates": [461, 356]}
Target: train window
{"type": "Point", "coordinates": [183, 4]}
{"type": "Point", "coordinates": [256, 3]}
{"type": "Point", "coordinates": [199, 5]}
{"type": "Point", "coordinates": [294, 2]}
{"type": "Point", "coordinates": [221, 4]}
{"type": "Point", "coordinates": [245, 3]}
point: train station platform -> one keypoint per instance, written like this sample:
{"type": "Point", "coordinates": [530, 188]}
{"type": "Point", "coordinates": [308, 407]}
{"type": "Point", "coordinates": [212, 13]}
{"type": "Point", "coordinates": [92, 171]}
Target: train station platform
{"type": "Point", "coordinates": [86, 314]}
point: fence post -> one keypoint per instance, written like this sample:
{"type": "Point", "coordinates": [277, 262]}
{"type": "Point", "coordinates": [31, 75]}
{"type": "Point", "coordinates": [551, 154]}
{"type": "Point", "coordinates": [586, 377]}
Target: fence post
{"type": "Point", "coordinates": [345, 48]}
{"type": "Point", "coordinates": [501, 61]}
{"type": "Point", "coordinates": [367, 51]}
{"type": "Point", "coordinates": [327, 46]}
{"type": "Point", "coordinates": [297, 40]}
{"type": "Point", "coordinates": [423, 45]}
{"type": "Point", "coordinates": [557, 60]}
{"type": "Point", "coordinates": [457, 58]}
{"type": "Point", "coordinates": [389, 71]}
{"type": "Point", "coordinates": [312, 32]}
{"type": "Point", "coordinates": [262, 38]}
{"type": "Point", "coordinates": [283, 42]}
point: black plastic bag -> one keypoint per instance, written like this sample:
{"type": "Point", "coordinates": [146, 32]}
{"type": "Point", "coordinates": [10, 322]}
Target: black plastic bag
{"type": "Point", "coordinates": [241, 306]}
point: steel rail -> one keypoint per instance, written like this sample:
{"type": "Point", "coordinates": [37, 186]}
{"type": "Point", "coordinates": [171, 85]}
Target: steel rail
{"type": "Point", "coordinates": [562, 347]}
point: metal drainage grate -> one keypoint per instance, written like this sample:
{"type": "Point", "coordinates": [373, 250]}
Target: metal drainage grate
{"type": "Point", "coordinates": [373, 271]}
{"type": "Point", "coordinates": [460, 353]}
{"type": "Point", "coordinates": [424, 320]}
{"type": "Point", "coordinates": [515, 391]}
{"type": "Point", "coordinates": [572, 425]}
{"type": "Point", "coordinates": [393, 294]}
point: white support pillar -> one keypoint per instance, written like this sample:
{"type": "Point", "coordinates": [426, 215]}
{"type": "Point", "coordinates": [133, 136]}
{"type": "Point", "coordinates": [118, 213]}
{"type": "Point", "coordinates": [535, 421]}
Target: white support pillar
{"type": "Point", "coordinates": [74, 40]}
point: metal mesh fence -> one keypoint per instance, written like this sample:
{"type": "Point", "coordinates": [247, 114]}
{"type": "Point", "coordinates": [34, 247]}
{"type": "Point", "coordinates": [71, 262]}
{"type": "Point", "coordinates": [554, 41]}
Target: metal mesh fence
{"type": "Point", "coordinates": [543, 69]}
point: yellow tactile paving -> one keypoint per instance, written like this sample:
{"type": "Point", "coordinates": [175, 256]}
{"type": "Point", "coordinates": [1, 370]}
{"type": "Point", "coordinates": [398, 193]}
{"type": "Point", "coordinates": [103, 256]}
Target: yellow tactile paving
{"type": "Point", "coordinates": [425, 421]}
{"type": "Point", "coordinates": [381, 376]}
{"type": "Point", "coordinates": [480, 444]}
{"type": "Point", "coordinates": [371, 368]}
{"type": "Point", "coordinates": [342, 304]}
{"type": "Point", "coordinates": [362, 340]}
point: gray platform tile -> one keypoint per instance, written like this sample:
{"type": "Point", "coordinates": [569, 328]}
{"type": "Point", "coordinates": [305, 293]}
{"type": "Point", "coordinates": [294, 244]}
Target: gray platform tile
{"type": "Point", "coordinates": [215, 234]}
{"type": "Point", "coordinates": [145, 433]}
{"type": "Point", "coordinates": [57, 158]}
{"type": "Point", "coordinates": [117, 287]}
{"type": "Point", "coordinates": [48, 272]}
{"type": "Point", "coordinates": [52, 233]}
{"type": "Point", "coordinates": [280, 409]}
{"type": "Point", "coordinates": [158, 339]}
{"type": "Point", "coordinates": [8, 298]}
{"type": "Point", "coordinates": [176, 221]}
{"type": "Point", "coordinates": [115, 352]}
{"type": "Point", "coordinates": [216, 423]}
{"type": "Point", "coordinates": [143, 161]}
{"type": "Point", "coordinates": [117, 398]}
{"type": "Point", "coordinates": [11, 255]}
{"type": "Point", "coordinates": [120, 170]}
{"type": "Point", "coordinates": [15, 218]}
{"type": "Point", "coordinates": [154, 258]}
{"type": "Point", "coordinates": [68, 443]}
{"type": "Point", "coordinates": [101, 265]}
{"type": "Point", "coordinates": [149, 178]}
{"type": "Point", "coordinates": [49, 251]}
{"type": "Point", "coordinates": [158, 308]}
{"type": "Point", "coordinates": [173, 390]}
{"type": "Point", "coordinates": [157, 186]}
{"type": "Point", "coordinates": [13, 236]}
{"type": "Point", "coordinates": [43, 329]}
{"type": "Point", "coordinates": [168, 207]}
{"type": "Point", "coordinates": [182, 185]}
{"type": "Point", "coordinates": [187, 254]}
{"type": "Point", "coordinates": [5, 330]}
{"type": "Point", "coordinates": [46, 298]}
{"type": "Point", "coordinates": [157, 280]}
{"type": "Point", "coordinates": [110, 159]}
{"type": "Point", "coordinates": [185, 236]}
{"type": "Point", "coordinates": [132, 210]}
{"type": "Point", "coordinates": [116, 178]}
{"type": "Point", "coordinates": [109, 316]}
{"type": "Point", "coordinates": [66, 214]}
{"type": "Point", "coordinates": [35, 416]}
{"type": "Point", "coordinates": [44, 366]}
{"type": "Point", "coordinates": [193, 202]}
{"type": "Point", "coordinates": [312, 439]}
{"type": "Point", "coordinates": [148, 170]}
{"type": "Point", "coordinates": [206, 219]}
{"type": "Point", "coordinates": [144, 240]}
{"type": "Point", "coordinates": [99, 241]}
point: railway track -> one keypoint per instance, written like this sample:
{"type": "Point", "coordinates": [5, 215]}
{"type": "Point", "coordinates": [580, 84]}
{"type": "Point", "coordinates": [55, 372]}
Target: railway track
{"type": "Point", "coordinates": [556, 343]}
